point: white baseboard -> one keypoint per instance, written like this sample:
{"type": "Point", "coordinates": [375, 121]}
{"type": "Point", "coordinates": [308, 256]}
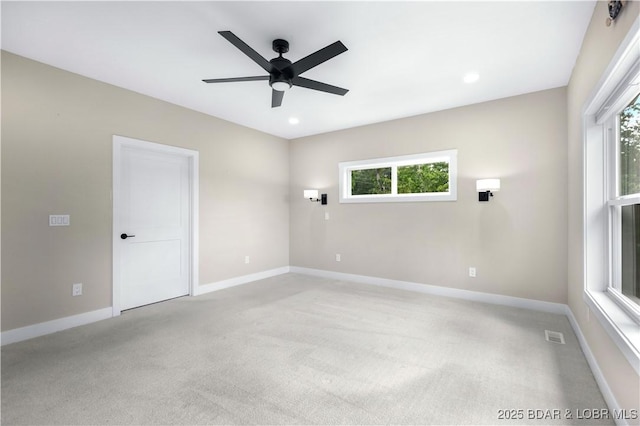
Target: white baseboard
{"type": "Point", "coordinates": [36, 330]}
{"type": "Point", "coordinates": [48, 327]}
{"type": "Point", "coordinates": [232, 282]}
{"type": "Point", "coordinates": [496, 299]}
{"type": "Point", "coordinates": [608, 396]}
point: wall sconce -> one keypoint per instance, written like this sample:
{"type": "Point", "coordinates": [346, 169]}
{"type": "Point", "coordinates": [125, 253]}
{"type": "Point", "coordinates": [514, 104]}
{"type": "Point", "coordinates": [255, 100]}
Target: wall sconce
{"type": "Point", "coordinates": [312, 195]}
{"type": "Point", "coordinates": [486, 187]}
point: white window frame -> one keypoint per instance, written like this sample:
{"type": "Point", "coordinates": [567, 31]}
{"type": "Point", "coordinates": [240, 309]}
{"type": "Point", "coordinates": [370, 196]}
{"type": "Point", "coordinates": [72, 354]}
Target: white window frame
{"type": "Point", "coordinates": [615, 312]}
{"type": "Point", "coordinates": [614, 201]}
{"type": "Point", "coordinates": [346, 167]}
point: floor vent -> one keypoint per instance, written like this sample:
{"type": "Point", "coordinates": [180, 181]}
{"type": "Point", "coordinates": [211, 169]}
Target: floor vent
{"type": "Point", "coordinates": [554, 337]}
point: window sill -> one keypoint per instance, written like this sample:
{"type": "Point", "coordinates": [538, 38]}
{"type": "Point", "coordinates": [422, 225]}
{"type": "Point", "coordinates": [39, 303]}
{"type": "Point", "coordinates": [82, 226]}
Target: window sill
{"type": "Point", "coordinates": [398, 198]}
{"type": "Point", "coordinates": [622, 329]}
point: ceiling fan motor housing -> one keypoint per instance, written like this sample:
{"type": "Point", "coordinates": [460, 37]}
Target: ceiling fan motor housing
{"type": "Point", "coordinates": [282, 72]}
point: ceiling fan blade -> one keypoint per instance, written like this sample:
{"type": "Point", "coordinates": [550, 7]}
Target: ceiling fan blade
{"type": "Point", "coordinates": [318, 57]}
{"type": "Point", "coordinates": [244, 47]}
{"type": "Point", "coordinates": [276, 98]}
{"type": "Point", "coordinates": [316, 85]}
{"type": "Point", "coordinates": [229, 80]}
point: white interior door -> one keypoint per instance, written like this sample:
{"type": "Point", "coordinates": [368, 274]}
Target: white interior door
{"type": "Point", "coordinates": [154, 226]}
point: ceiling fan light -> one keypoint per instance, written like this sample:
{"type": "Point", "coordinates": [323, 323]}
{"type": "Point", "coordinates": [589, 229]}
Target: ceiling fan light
{"type": "Point", "coordinates": [280, 86]}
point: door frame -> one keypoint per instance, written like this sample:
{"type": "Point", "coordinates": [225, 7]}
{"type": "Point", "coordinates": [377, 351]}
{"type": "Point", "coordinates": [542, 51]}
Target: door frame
{"type": "Point", "coordinates": [120, 142]}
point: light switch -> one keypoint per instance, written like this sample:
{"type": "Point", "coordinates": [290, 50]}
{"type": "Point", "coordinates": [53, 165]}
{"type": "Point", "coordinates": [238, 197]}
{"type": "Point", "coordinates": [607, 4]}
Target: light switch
{"type": "Point", "coordinates": [76, 289]}
{"type": "Point", "coordinates": [59, 220]}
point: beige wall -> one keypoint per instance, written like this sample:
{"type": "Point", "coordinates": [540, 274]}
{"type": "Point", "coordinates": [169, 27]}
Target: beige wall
{"type": "Point", "coordinates": [525, 242]}
{"type": "Point", "coordinates": [57, 132]}
{"type": "Point", "coordinates": [599, 46]}
{"type": "Point", "coordinates": [517, 241]}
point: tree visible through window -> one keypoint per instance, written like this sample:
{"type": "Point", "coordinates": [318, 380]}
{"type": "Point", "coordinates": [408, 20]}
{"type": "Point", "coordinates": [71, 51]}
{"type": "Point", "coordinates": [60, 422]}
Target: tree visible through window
{"type": "Point", "coordinates": [630, 148]}
{"type": "Point", "coordinates": [629, 175]}
{"type": "Point", "coordinates": [371, 181]}
{"type": "Point", "coordinates": [421, 178]}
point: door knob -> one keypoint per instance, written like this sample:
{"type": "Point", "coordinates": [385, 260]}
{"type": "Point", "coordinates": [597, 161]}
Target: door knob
{"type": "Point", "coordinates": [125, 236]}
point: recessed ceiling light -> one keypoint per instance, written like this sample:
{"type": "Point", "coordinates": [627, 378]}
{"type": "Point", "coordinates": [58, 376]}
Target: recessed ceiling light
{"type": "Point", "coordinates": [471, 77]}
{"type": "Point", "coordinates": [293, 120]}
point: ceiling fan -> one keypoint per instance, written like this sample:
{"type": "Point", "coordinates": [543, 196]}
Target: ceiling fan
{"type": "Point", "coordinates": [282, 73]}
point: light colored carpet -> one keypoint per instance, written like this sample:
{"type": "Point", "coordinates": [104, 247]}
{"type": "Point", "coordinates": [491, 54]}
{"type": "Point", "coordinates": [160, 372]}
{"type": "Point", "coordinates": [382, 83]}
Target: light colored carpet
{"type": "Point", "coordinates": [295, 349]}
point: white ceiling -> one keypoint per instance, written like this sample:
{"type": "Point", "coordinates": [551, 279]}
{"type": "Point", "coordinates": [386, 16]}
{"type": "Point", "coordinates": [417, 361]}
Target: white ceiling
{"type": "Point", "coordinates": [404, 58]}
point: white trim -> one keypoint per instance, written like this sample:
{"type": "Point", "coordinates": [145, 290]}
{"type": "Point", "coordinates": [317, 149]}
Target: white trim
{"type": "Point", "coordinates": [625, 201]}
{"type": "Point", "coordinates": [607, 394]}
{"type": "Point", "coordinates": [244, 279]}
{"type": "Point", "coordinates": [621, 328]}
{"type": "Point", "coordinates": [194, 167]}
{"type": "Point", "coordinates": [48, 327]}
{"type": "Point", "coordinates": [44, 328]}
{"type": "Point", "coordinates": [476, 296]}
{"type": "Point", "coordinates": [36, 330]}
{"type": "Point", "coordinates": [193, 157]}
{"type": "Point", "coordinates": [624, 93]}
{"type": "Point", "coordinates": [615, 72]}
{"type": "Point", "coordinates": [626, 303]}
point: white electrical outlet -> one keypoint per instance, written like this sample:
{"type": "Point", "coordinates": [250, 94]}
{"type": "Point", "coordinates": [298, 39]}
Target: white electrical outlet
{"type": "Point", "coordinates": [472, 272]}
{"type": "Point", "coordinates": [76, 289]}
{"type": "Point", "coordinates": [59, 220]}
{"type": "Point", "coordinates": [338, 259]}
{"type": "Point", "coordinates": [247, 259]}
{"type": "Point", "coordinates": [326, 215]}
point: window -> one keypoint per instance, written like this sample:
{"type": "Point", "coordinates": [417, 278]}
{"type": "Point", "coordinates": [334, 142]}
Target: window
{"type": "Point", "coordinates": [421, 177]}
{"type": "Point", "coordinates": [623, 184]}
{"type": "Point", "coordinates": [611, 123]}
